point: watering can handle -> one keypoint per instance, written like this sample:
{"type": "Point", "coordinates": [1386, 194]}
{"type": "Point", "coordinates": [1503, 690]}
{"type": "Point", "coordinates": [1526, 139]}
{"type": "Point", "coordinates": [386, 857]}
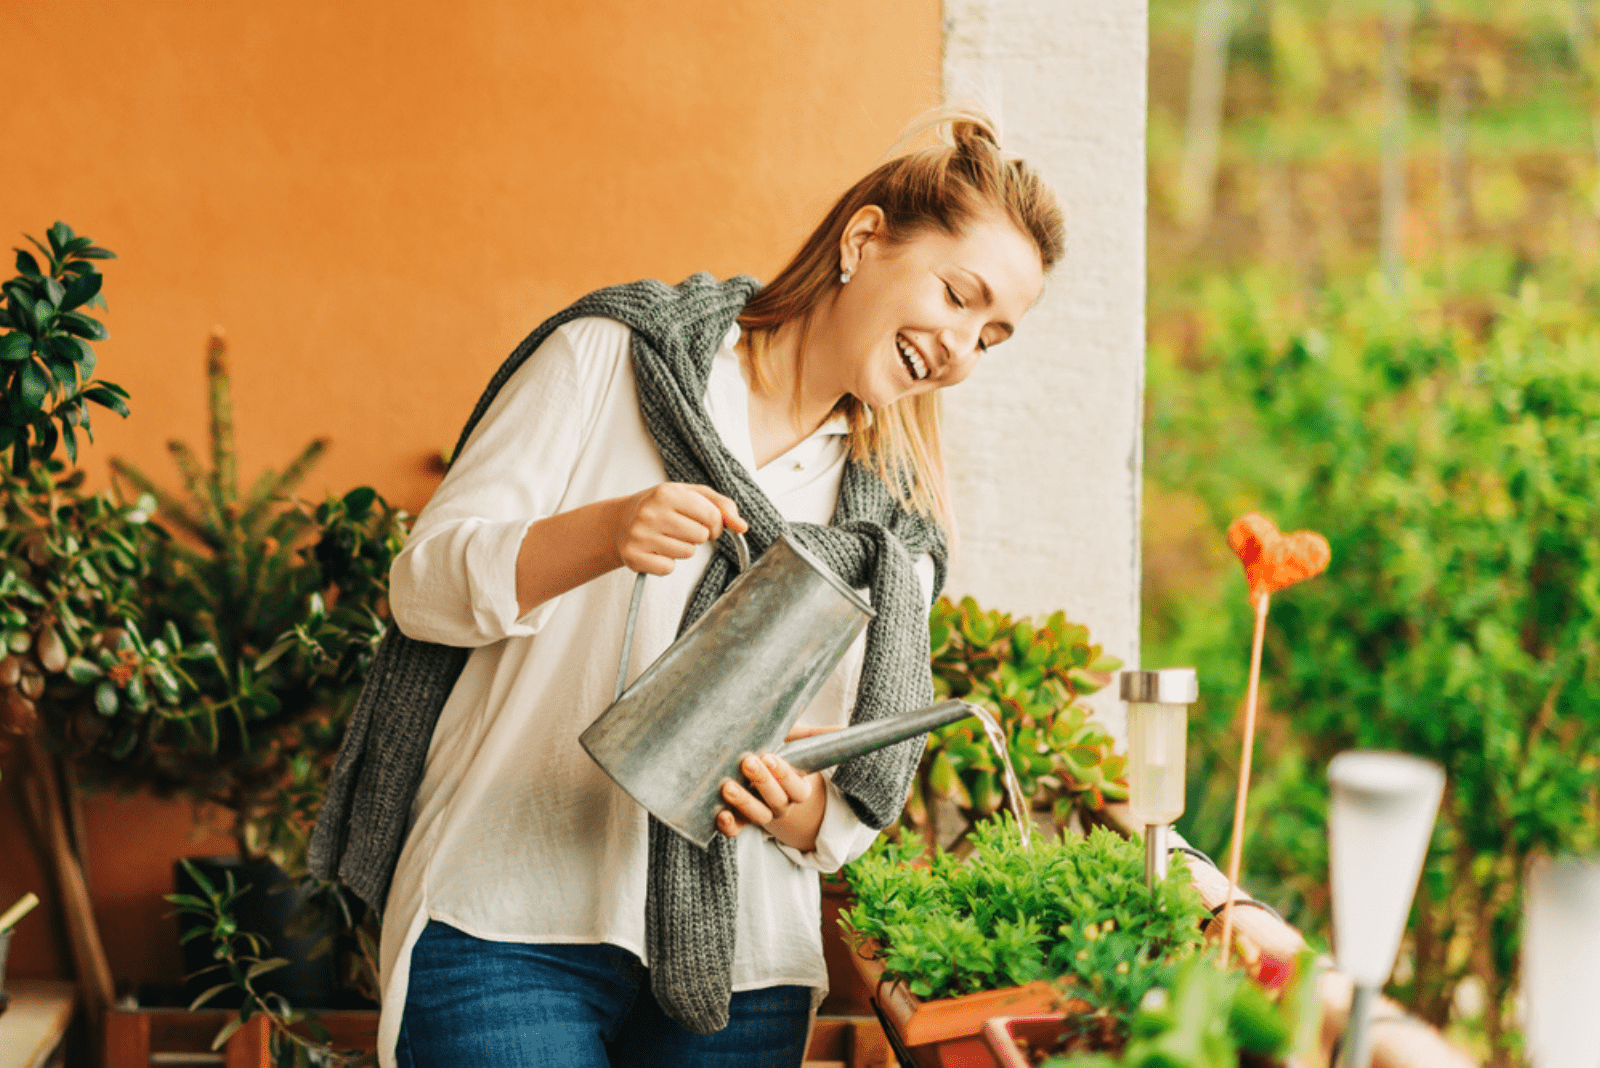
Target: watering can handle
{"type": "Point", "coordinates": [740, 550]}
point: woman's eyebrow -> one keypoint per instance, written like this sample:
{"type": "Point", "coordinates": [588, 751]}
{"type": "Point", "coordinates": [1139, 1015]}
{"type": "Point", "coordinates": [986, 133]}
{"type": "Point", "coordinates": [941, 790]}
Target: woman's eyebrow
{"type": "Point", "coordinates": [988, 297]}
{"type": "Point", "coordinates": [983, 286]}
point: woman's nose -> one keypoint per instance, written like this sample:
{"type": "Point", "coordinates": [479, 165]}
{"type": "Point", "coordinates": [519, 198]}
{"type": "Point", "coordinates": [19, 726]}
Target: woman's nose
{"type": "Point", "coordinates": [960, 346]}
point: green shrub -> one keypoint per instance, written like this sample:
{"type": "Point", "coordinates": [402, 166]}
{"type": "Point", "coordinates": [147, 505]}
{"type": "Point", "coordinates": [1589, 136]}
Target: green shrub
{"type": "Point", "coordinates": [1454, 473]}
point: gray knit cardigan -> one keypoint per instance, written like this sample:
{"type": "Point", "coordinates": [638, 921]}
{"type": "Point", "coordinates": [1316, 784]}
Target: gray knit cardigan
{"type": "Point", "coordinates": [871, 542]}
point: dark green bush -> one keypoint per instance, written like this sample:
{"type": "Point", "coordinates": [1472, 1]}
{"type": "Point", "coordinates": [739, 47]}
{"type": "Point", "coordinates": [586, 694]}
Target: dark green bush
{"type": "Point", "coordinates": [1454, 473]}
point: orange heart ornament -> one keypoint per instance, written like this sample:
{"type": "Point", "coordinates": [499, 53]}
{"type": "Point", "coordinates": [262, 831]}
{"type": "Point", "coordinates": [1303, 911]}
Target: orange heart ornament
{"type": "Point", "coordinates": [1273, 560]}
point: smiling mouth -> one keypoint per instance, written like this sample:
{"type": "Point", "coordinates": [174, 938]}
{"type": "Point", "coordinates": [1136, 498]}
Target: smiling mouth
{"type": "Point", "coordinates": [912, 359]}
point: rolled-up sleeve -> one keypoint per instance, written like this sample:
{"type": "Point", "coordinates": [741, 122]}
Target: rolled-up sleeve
{"type": "Point", "coordinates": [455, 583]}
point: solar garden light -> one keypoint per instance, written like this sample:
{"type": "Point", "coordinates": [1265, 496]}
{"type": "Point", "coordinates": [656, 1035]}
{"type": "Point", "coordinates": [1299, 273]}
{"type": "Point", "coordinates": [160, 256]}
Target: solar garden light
{"type": "Point", "coordinates": [1382, 816]}
{"type": "Point", "coordinates": [1561, 962]}
{"type": "Point", "coordinates": [1158, 727]}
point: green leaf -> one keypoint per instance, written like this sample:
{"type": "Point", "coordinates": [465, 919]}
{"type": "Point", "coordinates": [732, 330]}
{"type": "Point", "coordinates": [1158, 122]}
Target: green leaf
{"type": "Point", "coordinates": [15, 346]}
{"type": "Point", "coordinates": [82, 671]}
{"type": "Point", "coordinates": [227, 1032]}
{"type": "Point", "coordinates": [95, 252]}
{"type": "Point", "coordinates": [105, 698]}
{"type": "Point", "coordinates": [262, 967]}
{"type": "Point", "coordinates": [34, 386]}
{"type": "Point", "coordinates": [208, 995]}
{"type": "Point", "coordinates": [106, 399]}
{"type": "Point", "coordinates": [21, 308]}
{"type": "Point", "coordinates": [59, 235]}
{"type": "Point", "coordinates": [80, 289]}
{"type": "Point", "coordinates": [54, 291]}
{"type": "Point", "coordinates": [83, 326]}
{"type": "Point", "coordinates": [27, 264]}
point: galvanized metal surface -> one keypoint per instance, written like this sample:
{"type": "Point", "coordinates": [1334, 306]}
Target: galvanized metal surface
{"type": "Point", "coordinates": [732, 684]}
{"type": "Point", "coordinates": [825, 750]}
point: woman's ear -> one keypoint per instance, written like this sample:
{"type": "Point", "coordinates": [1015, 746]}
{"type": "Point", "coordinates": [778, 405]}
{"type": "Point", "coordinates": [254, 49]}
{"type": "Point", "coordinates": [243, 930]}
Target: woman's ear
{"type": "Point", "coordinates": [864, 227]}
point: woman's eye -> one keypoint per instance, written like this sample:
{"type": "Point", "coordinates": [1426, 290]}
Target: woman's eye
{"type": "Point", "coordinates": [951, 293]}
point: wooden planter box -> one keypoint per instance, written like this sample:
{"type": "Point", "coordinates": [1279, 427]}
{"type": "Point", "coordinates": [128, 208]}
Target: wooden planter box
{"type": "Point", "coordinates": [137, 1038]}
{"type": "Point", "coordinates": [1001, 1034]}
{"type": "Point", "coordinates": [949, 1033]}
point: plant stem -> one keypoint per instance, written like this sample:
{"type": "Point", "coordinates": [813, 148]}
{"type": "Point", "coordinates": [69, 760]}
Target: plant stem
{"type": "Point", "coordinates": [1244, 773]}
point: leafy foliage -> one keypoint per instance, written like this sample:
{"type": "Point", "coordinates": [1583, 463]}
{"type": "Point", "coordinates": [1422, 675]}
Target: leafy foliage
{"type": "Point", "coordinates": [290, 600]}
{"type": "Point", "coordinates": [1211, 1015]}
{"type": "Point", "coordinates": [46, 360]}
{"type": "Point", "coordinates": [297, 1040]}
{"type": "Point", "coordinates": [1454, 474]}
{"type": "Point", "coordinates": [1029, 676]}
{"type": "Point", "coordinates": [1068, 907]}
{"type": "Point", "coordinates": [71, 569]}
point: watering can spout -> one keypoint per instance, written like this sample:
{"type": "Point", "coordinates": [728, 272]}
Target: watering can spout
{"type": "Point", "coordinates": [825, 750]}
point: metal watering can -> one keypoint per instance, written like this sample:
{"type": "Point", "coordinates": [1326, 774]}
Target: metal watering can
{"type": "Point", "coordinates": [734, 683]}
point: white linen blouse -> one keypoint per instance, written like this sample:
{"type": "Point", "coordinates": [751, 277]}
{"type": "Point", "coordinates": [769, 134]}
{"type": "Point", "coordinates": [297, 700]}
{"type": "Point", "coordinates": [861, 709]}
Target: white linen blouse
{"type": "Point", "coordinates": [516, 834]}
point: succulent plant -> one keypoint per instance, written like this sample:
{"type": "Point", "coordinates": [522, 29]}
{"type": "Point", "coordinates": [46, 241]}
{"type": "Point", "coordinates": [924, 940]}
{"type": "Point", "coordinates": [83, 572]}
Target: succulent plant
{"type": "Point", "coordinates": [1029, 676]}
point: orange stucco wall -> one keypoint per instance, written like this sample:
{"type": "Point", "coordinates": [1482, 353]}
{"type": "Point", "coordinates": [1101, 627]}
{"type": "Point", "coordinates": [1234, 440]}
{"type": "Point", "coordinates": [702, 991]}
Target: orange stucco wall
{"type": "Point", "coordinates": [377, 199]}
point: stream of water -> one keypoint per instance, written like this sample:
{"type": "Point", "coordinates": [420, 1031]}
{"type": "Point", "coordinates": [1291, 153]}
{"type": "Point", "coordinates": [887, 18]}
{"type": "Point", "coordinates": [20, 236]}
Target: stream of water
{"type": "Point", "coordinates": [1014, 798]}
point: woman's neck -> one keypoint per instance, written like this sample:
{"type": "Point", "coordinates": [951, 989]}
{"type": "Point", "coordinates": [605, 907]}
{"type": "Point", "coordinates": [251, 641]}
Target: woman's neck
{"type": "Point", "coordinates": [782, 416]}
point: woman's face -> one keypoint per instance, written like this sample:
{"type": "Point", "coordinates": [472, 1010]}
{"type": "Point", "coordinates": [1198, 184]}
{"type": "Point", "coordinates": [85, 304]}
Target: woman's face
{"type": "Point", "coordinates": [915, 316]}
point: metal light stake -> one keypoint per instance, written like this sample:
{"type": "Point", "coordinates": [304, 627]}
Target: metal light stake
{"type": "Point", "coordinates": [1561, 962]}
{"type": "Point", "coordinates": [1158, 728]}
{"type": "Point", "coordinates": [1379, 824]}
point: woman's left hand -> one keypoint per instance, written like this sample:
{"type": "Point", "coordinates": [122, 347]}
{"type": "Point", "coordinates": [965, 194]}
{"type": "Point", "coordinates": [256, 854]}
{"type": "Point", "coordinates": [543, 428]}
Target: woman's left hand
{"type": "Point", "coordinates": [777, 798]}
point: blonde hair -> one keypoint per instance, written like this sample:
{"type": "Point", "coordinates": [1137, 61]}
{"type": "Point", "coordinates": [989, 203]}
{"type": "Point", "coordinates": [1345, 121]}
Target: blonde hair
{"type": "Point", "coordinates": [941, 187]}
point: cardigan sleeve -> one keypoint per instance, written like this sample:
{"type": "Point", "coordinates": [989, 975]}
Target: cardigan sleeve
{"type": "Point", "coordinates": [454, 583]}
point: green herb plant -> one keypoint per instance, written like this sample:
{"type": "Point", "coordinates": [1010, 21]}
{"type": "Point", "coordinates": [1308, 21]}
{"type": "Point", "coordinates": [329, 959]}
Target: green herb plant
{"type": "Point", "coordinates": [1073, 908]}
{"type": "Point", "coordinates": [1029, 676]}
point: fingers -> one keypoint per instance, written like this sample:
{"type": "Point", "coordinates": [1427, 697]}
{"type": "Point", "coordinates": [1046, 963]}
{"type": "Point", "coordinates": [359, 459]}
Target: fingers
{"type": "Point", "coordinates": [666, 523]}
{"type": "Point", "coordinates": [774, 787]}
{"type": "Point", "coordinates": [727, 509]}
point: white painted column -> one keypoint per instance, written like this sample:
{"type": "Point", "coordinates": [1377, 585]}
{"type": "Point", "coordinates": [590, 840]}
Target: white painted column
{"type": "Point", "coordinates": [1044, 440]}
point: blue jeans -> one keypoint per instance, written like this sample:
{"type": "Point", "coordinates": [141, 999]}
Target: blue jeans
{"type": "Point", "coordinates": [471, 1003]}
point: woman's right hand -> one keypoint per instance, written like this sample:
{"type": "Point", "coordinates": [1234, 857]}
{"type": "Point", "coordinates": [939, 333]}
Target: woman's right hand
{"type": "Point", "coordinates": [666, 523]}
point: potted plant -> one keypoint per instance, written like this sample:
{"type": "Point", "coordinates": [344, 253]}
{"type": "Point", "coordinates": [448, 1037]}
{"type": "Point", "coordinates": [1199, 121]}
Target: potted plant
{"type": "Point", "coordinates": [288, 601]}
{"type": "Point", "coordinates": [71, 564]}
{"type": "Point", "coordinates": [950, 941]}
{"type": "Point", "coordinates": [1029, 675]}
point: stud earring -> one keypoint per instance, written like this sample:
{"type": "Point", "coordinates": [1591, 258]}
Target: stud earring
{"type": "Point", "coordinates": [844, 277]}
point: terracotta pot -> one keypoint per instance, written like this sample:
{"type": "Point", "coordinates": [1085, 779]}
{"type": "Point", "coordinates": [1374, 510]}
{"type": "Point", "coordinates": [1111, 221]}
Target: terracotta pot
{"type": "Point", "coordinates": [848, 993]}
{"type": "Point", "coordinates": [948, 1032]}
{"type": "Point", "coordinates": [1001, 1034]}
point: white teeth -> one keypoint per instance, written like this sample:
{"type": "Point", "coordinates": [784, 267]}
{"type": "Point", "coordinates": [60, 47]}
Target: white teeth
{"type": "Point", "coordinates": [912, 358]}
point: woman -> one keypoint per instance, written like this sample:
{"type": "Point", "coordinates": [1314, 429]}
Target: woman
{"type": "Point", "coordinates": [536, 915]}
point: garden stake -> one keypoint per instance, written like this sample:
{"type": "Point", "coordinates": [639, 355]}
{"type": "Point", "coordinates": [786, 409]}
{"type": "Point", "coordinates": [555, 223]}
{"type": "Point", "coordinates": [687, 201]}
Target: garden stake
{"type": "Point", "coordinates": [1272, 561]}
{"type": "Point", "coordinates": [17, 911]}
{"type": "Point", "coordinates": [1244, 772]}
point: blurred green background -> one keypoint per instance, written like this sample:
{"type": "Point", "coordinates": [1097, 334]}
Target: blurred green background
{"type": "Point", "coordinates": [1374, 255]}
